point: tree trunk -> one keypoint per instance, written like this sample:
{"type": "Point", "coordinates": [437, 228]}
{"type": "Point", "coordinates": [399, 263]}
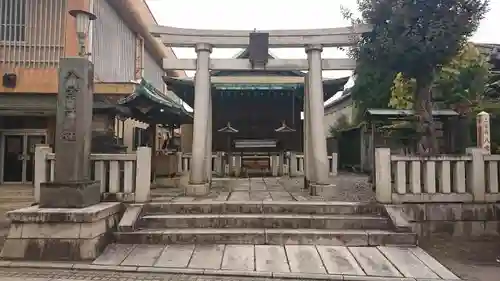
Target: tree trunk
{"type": "Point", "coordinates": [462, 131]}
{"type": "Point", "coordinates": [427, 144]}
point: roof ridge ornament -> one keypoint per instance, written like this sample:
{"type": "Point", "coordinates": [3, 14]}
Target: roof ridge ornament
{"type": "Point", "coordinates": [284, 128]}
{"type": "Point", "coordinates": [228, 129]}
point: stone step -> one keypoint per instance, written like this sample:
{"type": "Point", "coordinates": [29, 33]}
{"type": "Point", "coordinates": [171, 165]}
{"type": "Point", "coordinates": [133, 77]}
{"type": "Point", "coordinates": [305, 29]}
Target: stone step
{"type": "Point", "coordinates": [251, 207]}
{"type": "Point", "coordinates": [266, 236]}
{"type": "Point", "coordinates": [264, 221]}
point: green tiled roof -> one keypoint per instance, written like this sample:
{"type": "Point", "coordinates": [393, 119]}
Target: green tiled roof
{"type": "Point", "coordinates": [147, 91]}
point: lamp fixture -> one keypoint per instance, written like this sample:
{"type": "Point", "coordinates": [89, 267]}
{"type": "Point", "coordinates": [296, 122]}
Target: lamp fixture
{"type": "Point", "coordinates": [83, 19]}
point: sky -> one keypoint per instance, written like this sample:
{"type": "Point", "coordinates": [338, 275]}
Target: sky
{"type": "Point", "coordinates": [278, 14]}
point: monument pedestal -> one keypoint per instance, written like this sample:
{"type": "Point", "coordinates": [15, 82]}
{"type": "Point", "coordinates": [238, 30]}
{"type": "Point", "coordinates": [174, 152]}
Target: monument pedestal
{"type": "Point", "coordinates": [75, 194]}
{"type": "Point", "coordinates": [61, 234]}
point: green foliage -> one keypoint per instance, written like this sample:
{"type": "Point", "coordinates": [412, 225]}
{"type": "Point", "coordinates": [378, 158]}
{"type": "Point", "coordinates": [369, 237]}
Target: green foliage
{"type": "Point", "coordinates": [372, 88]}
{"type": "Point", "coordinates": [463, 80]}
{"type": "Point", "coordinates": [492, 87]}
{"type": "Point", "coordinates": [416, 38]}
{"type": "Point", "coordinates": [402, 92]}
{"type": "Point", "coordinates": [460, 84]}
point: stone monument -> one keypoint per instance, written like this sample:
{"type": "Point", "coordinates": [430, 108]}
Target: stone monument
{"type": "Point", "coordinates": [483, 131]}
{"type": "Point", "coordinates": [72, 187]}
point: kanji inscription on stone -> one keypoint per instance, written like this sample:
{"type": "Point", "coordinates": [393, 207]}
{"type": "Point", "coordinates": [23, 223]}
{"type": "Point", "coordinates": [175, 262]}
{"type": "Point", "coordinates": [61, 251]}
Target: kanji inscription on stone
{"type": "Point", "coordinates": [72, 88]}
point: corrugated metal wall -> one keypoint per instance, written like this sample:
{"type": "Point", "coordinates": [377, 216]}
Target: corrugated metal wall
{"type": "Point", "coordinates": [32, 33]}
{"type": "Point", "coordinates": [113, 49]}
{"type": "Point", "coordinates": [152, 72]}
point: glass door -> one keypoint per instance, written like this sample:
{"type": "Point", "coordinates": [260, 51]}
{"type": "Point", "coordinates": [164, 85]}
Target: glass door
{"type": "Point", "coordinates": [19, 156]}
{"type": "Point", "coordinates": [13, 161]}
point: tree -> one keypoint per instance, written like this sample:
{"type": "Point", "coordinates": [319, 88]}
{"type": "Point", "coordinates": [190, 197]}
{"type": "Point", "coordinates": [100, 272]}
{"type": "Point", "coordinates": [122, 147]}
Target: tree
{"type": "Point", "coordinates": [373, 81]}
{"type": "Point", "coordinates": [460, 84]}
{"type": "Point", "coordinates": [402, 92]}
{"type": "Point", "coordinates": [372, 88]}
{"type": "Point", "coordinates": [416, 38]}
{"type": "Point", "coordinates": [492, 88]}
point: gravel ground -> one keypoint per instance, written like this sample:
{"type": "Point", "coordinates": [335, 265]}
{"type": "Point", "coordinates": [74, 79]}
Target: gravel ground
{"type": "Point", "coordinates": [473, 260]}
{"type": "Point", "coordinates": [351, 187]}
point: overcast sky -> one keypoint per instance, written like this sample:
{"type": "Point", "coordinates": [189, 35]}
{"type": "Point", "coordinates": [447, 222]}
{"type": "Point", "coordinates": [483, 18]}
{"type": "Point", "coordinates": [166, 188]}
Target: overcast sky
{"type": "Point", "coordinates": [278, 14]}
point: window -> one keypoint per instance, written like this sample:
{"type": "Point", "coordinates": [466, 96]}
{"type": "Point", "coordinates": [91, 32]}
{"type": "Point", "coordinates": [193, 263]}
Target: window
{"type": "Point", "coordinates": [12, 20]}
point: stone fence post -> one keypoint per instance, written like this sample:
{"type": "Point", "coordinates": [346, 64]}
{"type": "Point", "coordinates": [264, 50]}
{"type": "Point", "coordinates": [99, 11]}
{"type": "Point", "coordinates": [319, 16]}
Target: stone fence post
{"type": "Point", "coordinates": [476, 180]}
{"type": "Point", "coordinates": [143, 175]}
{"type": "Point", "coordinates": [179, 162]}
{"type": "Point", "coordinates": [219, 164]}
{"type": "Point", "coordinates": [334, 168]}
{"type": "Point", "coordinates": [383, 183]}
{"type": "Point", "coordinates": [41, 165]}
{"type": "Point", "coordinates": [293, 164]}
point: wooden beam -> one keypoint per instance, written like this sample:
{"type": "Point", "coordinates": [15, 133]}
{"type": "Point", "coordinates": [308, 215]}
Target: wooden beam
{"type": "Point", "coordinates": [329, 37]}
{"type": "Point", "coordinates": [272, 65]}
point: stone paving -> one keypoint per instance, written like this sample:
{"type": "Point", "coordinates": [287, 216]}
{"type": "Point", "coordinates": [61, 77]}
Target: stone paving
{"type": "Point", "coordinates": [348, 187]}
{"type": "Point", "coordinates": [336, 262]}
{"type": "Point", "coordinates": [31, 274]}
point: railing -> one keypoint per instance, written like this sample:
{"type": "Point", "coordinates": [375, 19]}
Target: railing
{"type": "Point", "coordinates": [297, 167]}
{"type": "Point", "coordinates": [123, 177]}
{"type": "Point", "coordinates": [184, 163]}
{"type": "Point", "coordinates": [32, 33]}
{"type": "Point", "coordinates": [293, 166]}
{"type": "Point", "coordinates": [445, 178]}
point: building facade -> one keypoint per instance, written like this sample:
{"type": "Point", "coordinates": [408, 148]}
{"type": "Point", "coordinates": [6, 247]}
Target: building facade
{"type": "Point", "coordinates": [34, 35]}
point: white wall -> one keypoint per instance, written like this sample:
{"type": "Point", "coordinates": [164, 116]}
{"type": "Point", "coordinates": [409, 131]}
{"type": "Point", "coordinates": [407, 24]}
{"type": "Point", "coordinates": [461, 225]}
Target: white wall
{"type": "Point", "coordinates": [336, 111]}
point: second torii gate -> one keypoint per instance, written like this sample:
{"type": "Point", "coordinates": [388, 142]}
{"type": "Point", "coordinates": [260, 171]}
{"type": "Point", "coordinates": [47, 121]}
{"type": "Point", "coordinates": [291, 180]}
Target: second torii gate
{"type": "Point", "coordinates": [313, 40]}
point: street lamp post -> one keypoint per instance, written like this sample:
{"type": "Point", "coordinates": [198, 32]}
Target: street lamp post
{"type": "Point", "coordinates": [83, 19]}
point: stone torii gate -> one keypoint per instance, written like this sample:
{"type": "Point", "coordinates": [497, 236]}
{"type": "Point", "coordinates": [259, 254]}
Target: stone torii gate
{"type": "Point", "coordinates": [313, 40]}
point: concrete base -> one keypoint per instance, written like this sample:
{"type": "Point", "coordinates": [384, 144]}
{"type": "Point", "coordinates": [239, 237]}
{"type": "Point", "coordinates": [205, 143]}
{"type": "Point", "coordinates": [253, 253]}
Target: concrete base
{"type": "Point", "coordinates": [197, 189]}
{"type": "Point", "coordinates": [54, 234]}
{"type": "Point", "coordinates": [194, 189]}
{"type": "Point", "coordinates": [447, 219]}
{"type": "Point", "coordinates": [316, 188]}
{"type": "Point", "coordinates": [78, 194]}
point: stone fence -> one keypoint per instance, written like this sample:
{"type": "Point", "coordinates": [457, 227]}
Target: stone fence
{"type": "Point", "coordinates": [291, 166]}
{"type": "Point", "coordinates": [298, 166]}
{"type": "Point", "coordinates": [470, 178]}
{"type": "Point", "coordinates": [123, 177]}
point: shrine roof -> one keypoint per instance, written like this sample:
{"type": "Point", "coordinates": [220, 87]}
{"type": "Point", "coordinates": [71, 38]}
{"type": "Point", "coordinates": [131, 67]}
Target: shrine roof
{"type": "Point", "coordinates": [148, 104]}
{"type": "Point", "coordinates": [245, 54]}
{"type": "Point", "coordinates": [403, 113]}
{"type": "Point", "coordinates": [184, 87]}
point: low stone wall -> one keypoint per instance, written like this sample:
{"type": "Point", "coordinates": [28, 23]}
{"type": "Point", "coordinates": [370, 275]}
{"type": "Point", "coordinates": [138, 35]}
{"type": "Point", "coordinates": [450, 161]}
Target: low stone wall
{"type": "Point", "coordinates": [453, 219]}
{"type": "Point", "coordinates": [61, 234]}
